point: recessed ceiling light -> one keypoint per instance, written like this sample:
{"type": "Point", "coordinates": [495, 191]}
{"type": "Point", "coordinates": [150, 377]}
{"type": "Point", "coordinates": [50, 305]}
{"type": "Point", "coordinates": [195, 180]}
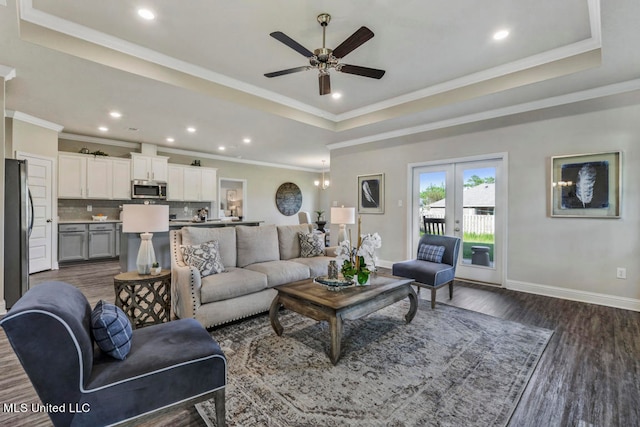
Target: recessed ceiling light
{"type": "Point", "coordinates": [500, 35]}
{"type": "Point", "coordinates": [103, 128]}
{"type": "Point", "coordinates": [336, 95]}
{"type": "Point", "coordinates": [115, 114]}
{"type": "Point", "coordinates": [246, 140]}
{"type": "Point", "coordinates": [169, 139]}
{"type": "Point", "coordinates": [191, 129]}
{"type": "Point", "coordinates": [146, 14]}
{"type": "Point", "coordinates": [221, 148]}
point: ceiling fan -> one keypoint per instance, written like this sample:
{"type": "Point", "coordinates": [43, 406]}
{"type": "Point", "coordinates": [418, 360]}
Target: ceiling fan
{"type": "Point", "coordinates": [324, 59]}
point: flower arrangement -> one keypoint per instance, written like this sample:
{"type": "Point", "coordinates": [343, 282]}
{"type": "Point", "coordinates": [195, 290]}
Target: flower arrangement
{"type": "Point", "coordinates": [360, 261]}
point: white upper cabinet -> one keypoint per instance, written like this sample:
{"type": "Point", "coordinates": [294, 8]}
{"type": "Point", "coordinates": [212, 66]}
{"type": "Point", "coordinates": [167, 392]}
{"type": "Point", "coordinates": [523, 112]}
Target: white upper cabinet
{"type": "Point", "coordinates": [81, 176]}
{"type": "Point", "coordinates": [151, 168]}
{"type": "Point", "coordinates": [191, 184]}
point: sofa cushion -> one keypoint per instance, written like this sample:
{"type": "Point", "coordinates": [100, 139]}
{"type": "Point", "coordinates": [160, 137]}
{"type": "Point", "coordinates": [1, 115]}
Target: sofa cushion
{"type": "Point", "coordinates": [234, 282]}
{"type": "Point", "coordinates": [318, 265]}
{"type": "Point", "coordinates": [288, 241]}
{"type": "Point", "coordinates": [430, 253]}
{"type": "Point", "coordinates": [205, 257]}
{"type": "Point", "coordinates": [111, 329]}
{"type": "Point", "coordinates": [311, 244]}
{"type": "Point", "coordinates": [281, 272]}
{"type": "Point", "coordinates": [226, 237]}
{"type": "Point", "coordinates": [256, 244]}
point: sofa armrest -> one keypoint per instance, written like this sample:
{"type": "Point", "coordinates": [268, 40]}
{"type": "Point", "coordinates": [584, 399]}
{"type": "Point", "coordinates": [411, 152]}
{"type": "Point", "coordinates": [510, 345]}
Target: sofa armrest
{"type": "Point", "coordinates": [185, 291]}
{"type": "Point", "coordinates": [330, 251]}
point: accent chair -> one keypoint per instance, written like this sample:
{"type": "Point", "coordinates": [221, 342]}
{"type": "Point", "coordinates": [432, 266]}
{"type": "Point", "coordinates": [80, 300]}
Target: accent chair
{"type": "Point", "coordinates": [169, 364]}
{"type": "Point", "coordinates": [434, 266]}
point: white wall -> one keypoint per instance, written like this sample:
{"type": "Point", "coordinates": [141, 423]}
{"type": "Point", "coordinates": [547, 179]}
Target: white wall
{"type": "Point", "coordinates": [565, 257]}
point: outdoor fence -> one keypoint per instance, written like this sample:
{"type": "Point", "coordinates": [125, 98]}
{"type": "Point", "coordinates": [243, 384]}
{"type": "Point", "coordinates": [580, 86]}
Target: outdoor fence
{"type": "Point", "coordinates": [476, 224]}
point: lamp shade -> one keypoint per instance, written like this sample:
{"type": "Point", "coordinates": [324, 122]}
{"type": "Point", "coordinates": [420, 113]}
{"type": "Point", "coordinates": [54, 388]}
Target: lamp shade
{"type": "Point", "coordinates": [145, 218]}
{"type": "Point", "coordinates": [343, 215]}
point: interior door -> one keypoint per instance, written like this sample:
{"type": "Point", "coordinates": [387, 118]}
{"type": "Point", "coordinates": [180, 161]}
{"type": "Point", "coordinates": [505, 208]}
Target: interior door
{"type": "Point", "coordinates": [469, 197]}
{"type": "Point", "coordinates": [39, 180]}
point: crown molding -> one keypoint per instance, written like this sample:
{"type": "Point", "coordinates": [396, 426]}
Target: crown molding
{"type": "Point", "coordinates": [17, 115]}
{"type": "Point", "coordinates": [585, 95]}
{"type": "Point", "coordinates": [556, 62]}
{"type": "Point", "coordinates": [179, 151]}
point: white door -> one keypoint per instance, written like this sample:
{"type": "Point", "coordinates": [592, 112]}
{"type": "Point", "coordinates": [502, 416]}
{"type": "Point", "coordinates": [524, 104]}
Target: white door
{"type": "Point", "coordinates": [470, 197]}
{"type": "Point", "coordinates": [39, 181]}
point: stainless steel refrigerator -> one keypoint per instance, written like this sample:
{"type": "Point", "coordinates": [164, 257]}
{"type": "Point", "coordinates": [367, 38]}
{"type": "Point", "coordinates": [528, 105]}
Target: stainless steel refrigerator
{"type": "Point", "coordinates": [18, 221]}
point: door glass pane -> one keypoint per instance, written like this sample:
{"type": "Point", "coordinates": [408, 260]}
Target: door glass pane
{"type": "Point", "coordinates": [432, 202]}
{"type": "Point", "coordinates": [478, 216]}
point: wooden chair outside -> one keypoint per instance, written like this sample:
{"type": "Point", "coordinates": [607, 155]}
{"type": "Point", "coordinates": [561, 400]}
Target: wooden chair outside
{"type": "Point", "coordinates": [433, 225]}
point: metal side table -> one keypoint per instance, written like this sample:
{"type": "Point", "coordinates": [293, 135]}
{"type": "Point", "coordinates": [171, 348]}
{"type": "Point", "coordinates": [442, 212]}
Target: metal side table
{"type": "Point", "coordinates": [145, 299]}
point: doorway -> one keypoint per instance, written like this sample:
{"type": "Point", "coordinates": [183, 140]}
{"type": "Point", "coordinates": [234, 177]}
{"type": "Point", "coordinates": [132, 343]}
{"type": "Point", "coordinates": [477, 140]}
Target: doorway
{"type": "Point", "coordinates": [465, 198]}
{"type": "Point", "coordinates": [41, 240]}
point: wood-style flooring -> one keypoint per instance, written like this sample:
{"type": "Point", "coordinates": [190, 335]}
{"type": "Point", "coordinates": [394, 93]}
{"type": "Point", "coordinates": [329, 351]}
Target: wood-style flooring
{"type": "Point", "coordinates": [589, 374]}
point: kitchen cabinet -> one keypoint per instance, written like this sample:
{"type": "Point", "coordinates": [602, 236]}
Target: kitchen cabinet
{"type": "Point", "coordinates": [118, 236]}
{"type": "Point", "coordinates": [152, 168]}
{"type": "Point", "coordinates": [101, 241]}
{"type": "Point", "coordinates": [175, 183]}
{"type": "Point", "coordinates": [72, 242]}
{"type": "Point", "coordinates": [191, 184]}
{"type": "Point", "coordinates": [82, 176]}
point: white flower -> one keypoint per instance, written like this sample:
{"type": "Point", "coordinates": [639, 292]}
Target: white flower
{"type": "Point", "coordinates": [343, 253]}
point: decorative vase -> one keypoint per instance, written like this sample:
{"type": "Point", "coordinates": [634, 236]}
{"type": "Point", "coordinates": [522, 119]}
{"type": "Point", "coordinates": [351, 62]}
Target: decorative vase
{"type": "Point", "coordinates": [332, 270]}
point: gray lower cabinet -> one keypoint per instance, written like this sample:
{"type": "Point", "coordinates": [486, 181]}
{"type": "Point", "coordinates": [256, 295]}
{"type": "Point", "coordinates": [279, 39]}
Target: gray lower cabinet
{"type": "Point", "coordinates": [73, 242]}
{"type": "Point", "coordinates": [102, 241]}
{"type": "Point", "coordinates": [81, 242]}
{"type": "Point", "coordinates": [118, 233]}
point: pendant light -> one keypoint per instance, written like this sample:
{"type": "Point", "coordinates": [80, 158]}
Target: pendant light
{"type": "Point", "coordinates": [324, 184]}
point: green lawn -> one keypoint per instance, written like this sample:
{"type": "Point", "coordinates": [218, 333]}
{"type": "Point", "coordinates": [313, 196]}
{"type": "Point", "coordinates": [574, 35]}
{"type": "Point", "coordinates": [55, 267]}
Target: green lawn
{"type": "Point", "coordinates": [471, 239]}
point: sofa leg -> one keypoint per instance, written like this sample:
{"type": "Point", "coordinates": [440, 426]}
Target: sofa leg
{"type": "Point", "coordinates": [451, 290]}
{"type": "Point", "coordinates": [219, 400]}
{"type": "Point", "coordinates": [433, 298]}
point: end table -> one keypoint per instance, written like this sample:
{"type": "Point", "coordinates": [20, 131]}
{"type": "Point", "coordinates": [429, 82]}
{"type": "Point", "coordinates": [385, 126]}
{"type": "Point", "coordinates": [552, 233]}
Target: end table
{"type": "Point", "coordinates": [145, 298]}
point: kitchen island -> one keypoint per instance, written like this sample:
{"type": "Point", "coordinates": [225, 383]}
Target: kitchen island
{"type": "Point", "coordinates": [130, 242]}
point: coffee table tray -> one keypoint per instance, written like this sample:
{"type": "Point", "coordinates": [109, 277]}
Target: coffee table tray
{"type": "Point", "coordinates": [333, 284]}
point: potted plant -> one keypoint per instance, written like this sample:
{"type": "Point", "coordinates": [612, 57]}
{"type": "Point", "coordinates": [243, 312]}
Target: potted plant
{"type": "Point", "coordinates": [155, 268]}
{"type": "Point", "coordinates": [321, 222]}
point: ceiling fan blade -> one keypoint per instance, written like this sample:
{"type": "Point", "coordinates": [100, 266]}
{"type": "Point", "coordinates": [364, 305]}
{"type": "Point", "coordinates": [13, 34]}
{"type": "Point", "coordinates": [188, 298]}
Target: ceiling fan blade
{"type": "Point", "coordinates": [353, 42]}
{"type": "Point", "coordinates": [325, 83]}
{"type": "Point", "coordinates": [374, 73]}
{"type": "Point", "coordinates": [282, 37]}
{"type": "Point", "coordinates": [287, 71]}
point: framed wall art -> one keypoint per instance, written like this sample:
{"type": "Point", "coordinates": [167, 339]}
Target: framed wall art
{"type": "Point", "coordinates": [288, 198]}
{"type": "Point", "coordinates": [371, 194]}
{"type": "Point", "coordinates": [586, 185]}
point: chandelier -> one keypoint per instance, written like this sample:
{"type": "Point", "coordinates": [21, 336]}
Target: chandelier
{"type": "Point", "coordinates": [324, 184]}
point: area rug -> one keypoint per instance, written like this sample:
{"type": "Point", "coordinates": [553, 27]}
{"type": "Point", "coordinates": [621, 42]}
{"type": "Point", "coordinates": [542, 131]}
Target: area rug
{"type": "Point", "coordinates": [448, 367]}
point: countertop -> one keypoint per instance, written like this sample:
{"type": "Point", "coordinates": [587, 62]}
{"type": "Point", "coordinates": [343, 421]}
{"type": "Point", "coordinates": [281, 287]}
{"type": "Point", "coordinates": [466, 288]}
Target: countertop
{"type": "Point", "coordinates": [86, 221]}
{"type": "Point", "coordinates": [210, 223]}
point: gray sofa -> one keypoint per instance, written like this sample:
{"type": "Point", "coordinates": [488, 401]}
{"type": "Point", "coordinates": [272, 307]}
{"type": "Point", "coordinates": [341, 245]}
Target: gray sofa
{"type": "Point", "coordinates": [255, 260]}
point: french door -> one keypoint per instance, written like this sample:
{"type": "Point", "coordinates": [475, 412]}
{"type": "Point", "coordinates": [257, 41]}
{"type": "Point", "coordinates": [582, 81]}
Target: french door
{"type": "Point", "coordinates": [469, 197]}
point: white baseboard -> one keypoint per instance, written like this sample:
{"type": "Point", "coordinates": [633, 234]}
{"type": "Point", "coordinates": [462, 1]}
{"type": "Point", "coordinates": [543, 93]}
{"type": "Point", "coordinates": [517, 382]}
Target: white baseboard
{"type": "Point", "coordinates": [3, 307]}
{"type": "Point", "coordinates": [575, 295]}
{"type": "Point", "coordinates": [563, 293]}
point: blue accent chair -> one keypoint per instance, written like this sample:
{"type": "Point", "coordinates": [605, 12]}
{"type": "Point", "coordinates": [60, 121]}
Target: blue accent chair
{"type": "Point", "coordinates": [429, 274]}
{"type": "Point", "coordinates": [170, 365]}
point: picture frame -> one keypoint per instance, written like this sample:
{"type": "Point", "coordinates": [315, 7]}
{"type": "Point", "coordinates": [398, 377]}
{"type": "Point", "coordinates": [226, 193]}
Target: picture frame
{"type": "Point", "coordinates": [371, 194]}
{"type": "Point", "coordinates": [586, 185]}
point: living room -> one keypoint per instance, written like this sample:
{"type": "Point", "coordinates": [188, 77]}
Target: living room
{"type": "Point", "coordinates": [549, 255]}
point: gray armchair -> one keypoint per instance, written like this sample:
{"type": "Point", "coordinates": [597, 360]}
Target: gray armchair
{"type": "Point", "coordinates": [428, 274]}
{"type": "Point", "coordinates": [169, 364]}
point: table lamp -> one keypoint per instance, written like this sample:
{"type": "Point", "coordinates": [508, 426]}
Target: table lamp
{"type": "Point", "coordinates": [145, 219]}
{"type": "Point", "coordinates": [343, 216]}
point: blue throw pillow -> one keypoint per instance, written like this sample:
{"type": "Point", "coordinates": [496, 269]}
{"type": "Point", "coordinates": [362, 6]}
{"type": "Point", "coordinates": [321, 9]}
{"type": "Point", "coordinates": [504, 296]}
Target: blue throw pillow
{"type": "Point", "coordinates": [430, 253]}
{"type": "Point", "coordinates": [111, 329]}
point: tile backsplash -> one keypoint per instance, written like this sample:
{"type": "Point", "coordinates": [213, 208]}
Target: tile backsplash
{"type": "Point", "coordinates": [76, 209]}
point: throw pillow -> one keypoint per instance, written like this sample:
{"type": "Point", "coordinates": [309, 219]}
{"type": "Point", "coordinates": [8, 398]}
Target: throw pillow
{"type": "Point", "coordinates": [205, 257]}
{"type": "Point", "coordinates": [430, 253]}
{"type": "Point", "coordinates": [111, 329]}
{"type": "Point", "coordinates": [311, 244]}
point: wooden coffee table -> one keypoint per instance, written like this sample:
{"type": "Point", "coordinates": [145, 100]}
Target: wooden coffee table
{"type": "Point", "coordinates": [319, 303]}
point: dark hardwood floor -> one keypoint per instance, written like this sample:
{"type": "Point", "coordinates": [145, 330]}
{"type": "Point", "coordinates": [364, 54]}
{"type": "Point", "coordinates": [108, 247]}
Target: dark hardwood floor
{"type": "Point", "coordinates": [589, 374]}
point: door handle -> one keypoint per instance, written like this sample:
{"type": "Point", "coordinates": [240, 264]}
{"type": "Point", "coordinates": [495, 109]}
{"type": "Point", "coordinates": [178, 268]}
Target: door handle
{"type": "Point", "coordinates": [456, 229]}
{"type": "Point", "coordinates": [50, 220]}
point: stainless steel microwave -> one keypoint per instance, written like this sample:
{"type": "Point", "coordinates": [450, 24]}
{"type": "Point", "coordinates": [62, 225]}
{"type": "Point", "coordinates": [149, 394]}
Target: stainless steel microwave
{"type": "Point", "coordinates": [141, 189]}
